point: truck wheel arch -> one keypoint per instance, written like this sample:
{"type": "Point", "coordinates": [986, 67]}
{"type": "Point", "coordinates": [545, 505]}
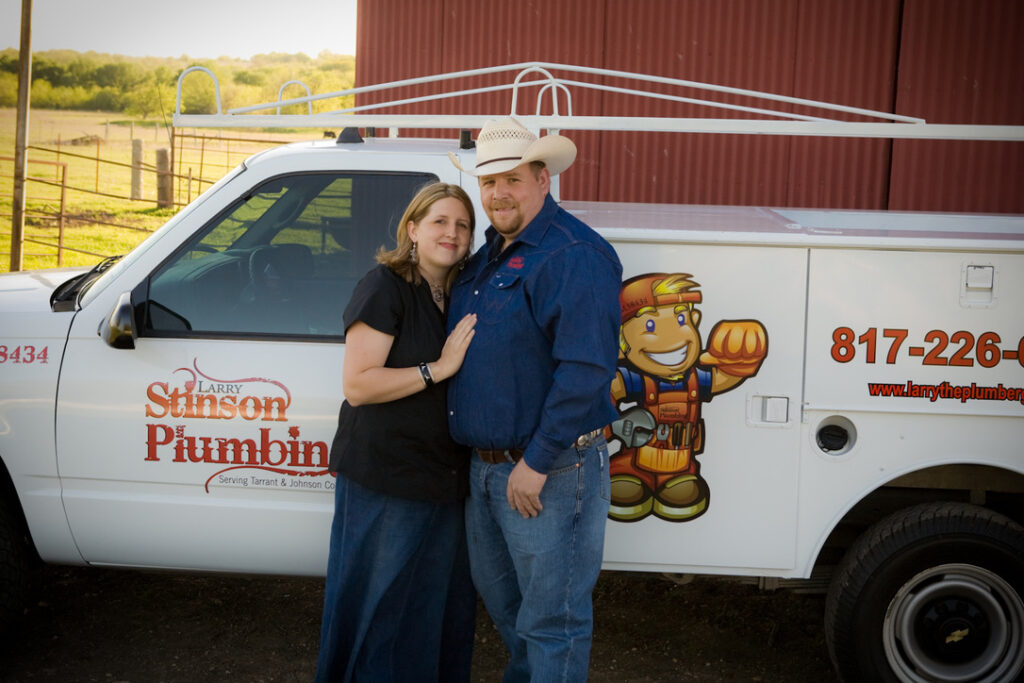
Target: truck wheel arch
{"type": "Point", "coordinates": [17, 554]}
{"type": "Point", "coordinates": [936, 587]}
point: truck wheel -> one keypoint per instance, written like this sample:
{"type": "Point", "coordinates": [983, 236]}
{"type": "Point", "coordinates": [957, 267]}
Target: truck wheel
{"type": "Point", "coordinates": [15, 567]}
{"type": "Point", "coordinates": [931, 593]}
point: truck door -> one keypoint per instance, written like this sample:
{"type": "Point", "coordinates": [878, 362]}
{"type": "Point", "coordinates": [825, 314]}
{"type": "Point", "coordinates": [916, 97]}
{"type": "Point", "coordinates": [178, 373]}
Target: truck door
{"type": "Point", "coordinates": [704, 456]}
{"type": "Point", "coordinates": [206, 445]}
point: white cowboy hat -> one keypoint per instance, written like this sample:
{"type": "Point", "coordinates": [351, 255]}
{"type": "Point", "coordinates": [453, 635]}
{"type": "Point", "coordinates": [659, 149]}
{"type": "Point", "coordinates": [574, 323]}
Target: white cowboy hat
{"type": "Point", "coordinates": [504, 144]}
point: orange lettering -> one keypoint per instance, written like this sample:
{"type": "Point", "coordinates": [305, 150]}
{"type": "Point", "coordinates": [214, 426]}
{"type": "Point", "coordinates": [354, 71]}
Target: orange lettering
{"type": "Point", "coordinates": [156, 398]}
{"type": "Point", "coordinates": [268, 409]}
{"type": "Point", "coordinates": [249, 408]}
{"type": "Point", "coordinates": [228, 409]}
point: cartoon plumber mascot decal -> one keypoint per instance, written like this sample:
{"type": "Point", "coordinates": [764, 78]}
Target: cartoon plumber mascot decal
{"type": "Point", "coordinates": [662, 380]}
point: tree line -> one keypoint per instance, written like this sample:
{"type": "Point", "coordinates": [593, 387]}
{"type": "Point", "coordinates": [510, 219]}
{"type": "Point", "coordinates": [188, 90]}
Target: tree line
{"type": "Point", "coordinates": [145, 87]}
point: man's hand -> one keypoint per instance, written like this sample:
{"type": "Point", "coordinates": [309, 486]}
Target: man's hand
{"type": "Point", "coordinates": [523, 491]}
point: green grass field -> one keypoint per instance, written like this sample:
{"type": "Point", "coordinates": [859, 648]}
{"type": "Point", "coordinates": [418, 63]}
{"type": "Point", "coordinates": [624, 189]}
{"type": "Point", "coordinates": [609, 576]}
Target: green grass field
{"type": "Point", "coordinates": [108, 137]}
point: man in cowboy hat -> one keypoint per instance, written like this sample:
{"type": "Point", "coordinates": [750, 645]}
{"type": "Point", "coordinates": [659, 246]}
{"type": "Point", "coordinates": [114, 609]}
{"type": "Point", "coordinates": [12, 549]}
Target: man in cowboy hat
{"type": "Point", "coordinates": [532, 400]}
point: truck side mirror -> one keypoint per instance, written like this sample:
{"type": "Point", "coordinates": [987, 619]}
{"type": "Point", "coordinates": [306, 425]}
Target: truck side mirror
{"type": "Point", "coordinates": [119, 329]}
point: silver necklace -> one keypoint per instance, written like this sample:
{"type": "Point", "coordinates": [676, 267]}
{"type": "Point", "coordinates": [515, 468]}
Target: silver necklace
{"type": "Point", "coordinates": [436, 291]}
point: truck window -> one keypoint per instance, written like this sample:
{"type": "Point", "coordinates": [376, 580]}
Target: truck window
{"type": "Point", "coordinates": [282, 260]}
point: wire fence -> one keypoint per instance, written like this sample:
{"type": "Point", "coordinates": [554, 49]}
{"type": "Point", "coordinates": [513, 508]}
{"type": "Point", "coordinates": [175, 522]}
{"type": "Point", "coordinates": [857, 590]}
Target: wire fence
{"type": "Point", "coordinates": [213, 154]}
{"type": "Point", "coordinates": [86, 200]}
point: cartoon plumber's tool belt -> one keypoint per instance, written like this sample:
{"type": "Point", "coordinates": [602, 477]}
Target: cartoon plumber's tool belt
{"type": "Point", "coordinates": [496, 456]}
{"type": "Point", "coordinates": [666, 431]}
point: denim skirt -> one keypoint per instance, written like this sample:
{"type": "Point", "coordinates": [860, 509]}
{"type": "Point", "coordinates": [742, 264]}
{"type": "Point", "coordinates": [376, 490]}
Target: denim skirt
{"type": "Point", "coordinates": [399, 603]}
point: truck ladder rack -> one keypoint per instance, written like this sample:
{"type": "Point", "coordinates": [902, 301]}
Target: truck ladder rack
{"type": "Point", "coordinates": [884, 125]}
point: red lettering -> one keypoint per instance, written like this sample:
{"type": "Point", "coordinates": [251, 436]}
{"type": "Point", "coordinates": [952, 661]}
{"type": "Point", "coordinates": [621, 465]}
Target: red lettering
{"type": "Point", "coordinates": [941, 340]}
{"type": "Point", "coordinates": [235, 447]}
{"type": "Point", "coordinates": [988, 350]}
{"type": "Point", "coordinates": [966, 341]}
{"type": "Point", "coordinates": [868, 338]}
{"type": "Point", "coordinates": [308, 447]}
{"type": "Point", "coordinates": [265, 448]}
{"type": "Point", "coordinates": [186, 447]}
{"type": "Point", "coordinates": [898, 337]}
{"type": "Point", "coordinates": [842, 345]}
{"type": "Point", "coordinates": [152, 440]}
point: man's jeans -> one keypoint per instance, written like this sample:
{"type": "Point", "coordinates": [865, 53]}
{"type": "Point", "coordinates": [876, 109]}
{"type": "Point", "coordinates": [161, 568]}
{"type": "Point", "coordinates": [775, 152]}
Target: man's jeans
{"type": "Point", "coordinates": [536, 575]}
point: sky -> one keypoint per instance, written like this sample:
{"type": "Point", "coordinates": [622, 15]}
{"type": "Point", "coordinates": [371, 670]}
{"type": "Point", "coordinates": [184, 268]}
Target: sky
{"type": "Point", "coordinates": [197, 28]}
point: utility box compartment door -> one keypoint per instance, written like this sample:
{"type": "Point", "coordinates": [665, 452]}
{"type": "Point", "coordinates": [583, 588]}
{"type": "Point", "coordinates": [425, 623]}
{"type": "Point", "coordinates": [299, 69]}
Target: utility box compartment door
{"type": "Point", "coordinates": [713, 460]}
{"type": "Point", "coordinates": [916, 332]}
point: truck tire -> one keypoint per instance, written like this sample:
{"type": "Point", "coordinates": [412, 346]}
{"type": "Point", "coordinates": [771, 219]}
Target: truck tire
{"type": "Point", "coordinates": [15, 567]}
{"type": "Point", "coordinates": [931, 593]}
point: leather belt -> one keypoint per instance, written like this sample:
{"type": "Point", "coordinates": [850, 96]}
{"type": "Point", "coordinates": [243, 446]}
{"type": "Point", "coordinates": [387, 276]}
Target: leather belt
{"type": "Point", "coordinates": [496, 456]}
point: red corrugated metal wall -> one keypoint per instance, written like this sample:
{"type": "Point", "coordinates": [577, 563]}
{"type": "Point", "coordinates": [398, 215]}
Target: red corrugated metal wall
{"type": "Point", "coordinates": [949, 61]}
{"type": "Point", "coordinates": [961, 61]}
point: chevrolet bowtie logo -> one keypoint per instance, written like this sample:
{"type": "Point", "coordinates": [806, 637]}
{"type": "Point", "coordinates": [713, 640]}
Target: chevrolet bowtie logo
{"type": "Point", "coordinates": [957, 636]}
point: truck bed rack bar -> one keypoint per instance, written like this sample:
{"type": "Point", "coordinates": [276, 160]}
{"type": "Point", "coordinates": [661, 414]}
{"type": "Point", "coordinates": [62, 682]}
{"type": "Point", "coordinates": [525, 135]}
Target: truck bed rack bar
{"type": "Point", "coordinates": [884, 125]}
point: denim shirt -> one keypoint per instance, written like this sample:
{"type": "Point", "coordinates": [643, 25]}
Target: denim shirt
{"type": "Point", "coordinates": [538, 370]}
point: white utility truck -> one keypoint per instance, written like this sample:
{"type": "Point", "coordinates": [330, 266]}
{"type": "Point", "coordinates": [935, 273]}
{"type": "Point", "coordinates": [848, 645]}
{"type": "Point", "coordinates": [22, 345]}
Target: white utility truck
{"type": "Point", "coordinates": [172, 408]}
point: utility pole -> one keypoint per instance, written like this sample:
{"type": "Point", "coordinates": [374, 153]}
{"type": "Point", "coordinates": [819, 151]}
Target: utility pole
{"type": "Point", "coordinates": [21, 135]}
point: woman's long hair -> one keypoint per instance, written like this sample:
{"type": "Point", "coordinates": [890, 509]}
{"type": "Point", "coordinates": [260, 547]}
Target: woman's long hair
{"type": "Point", "coordinates": [399, 259]}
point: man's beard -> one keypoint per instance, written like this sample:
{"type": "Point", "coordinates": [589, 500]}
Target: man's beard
{"type": "Point", "coordinates": [516, 218]}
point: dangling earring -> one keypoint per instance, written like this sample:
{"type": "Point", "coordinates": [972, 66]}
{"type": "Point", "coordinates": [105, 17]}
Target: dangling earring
{"type": "Point", "coordinates": [463, 261]}
{"type": "Point", "coordinates": [413, 257]}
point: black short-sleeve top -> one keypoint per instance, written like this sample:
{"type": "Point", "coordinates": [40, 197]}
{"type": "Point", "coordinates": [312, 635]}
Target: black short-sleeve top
{"type": "Point", "coordinates": [401, 448]}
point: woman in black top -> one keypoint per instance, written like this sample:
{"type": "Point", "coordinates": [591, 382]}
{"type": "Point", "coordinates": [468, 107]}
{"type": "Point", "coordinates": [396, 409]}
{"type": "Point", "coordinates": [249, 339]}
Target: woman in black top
{"type": "Point", "coordinates": [398, 602]}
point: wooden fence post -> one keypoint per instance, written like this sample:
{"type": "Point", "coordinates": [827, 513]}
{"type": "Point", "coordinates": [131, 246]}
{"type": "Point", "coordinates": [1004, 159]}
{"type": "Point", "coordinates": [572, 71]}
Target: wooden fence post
{"type": "Point", "coordinates": [164, 180]}
{"type": "Point", "coordinates": [21, 136]}
{"type": "Point", "coordinates": [138, 150]}
{"type": "Point", "coordinates": [63, 213]}
{"type": "Point", "coordinates": [202, 157]}
{"type": "Point", "coordinates": [179, 159]}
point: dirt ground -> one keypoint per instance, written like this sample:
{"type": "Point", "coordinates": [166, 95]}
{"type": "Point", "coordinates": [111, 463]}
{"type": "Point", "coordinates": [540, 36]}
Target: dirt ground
{"type": "Point", "coordinates": [130, 626]}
